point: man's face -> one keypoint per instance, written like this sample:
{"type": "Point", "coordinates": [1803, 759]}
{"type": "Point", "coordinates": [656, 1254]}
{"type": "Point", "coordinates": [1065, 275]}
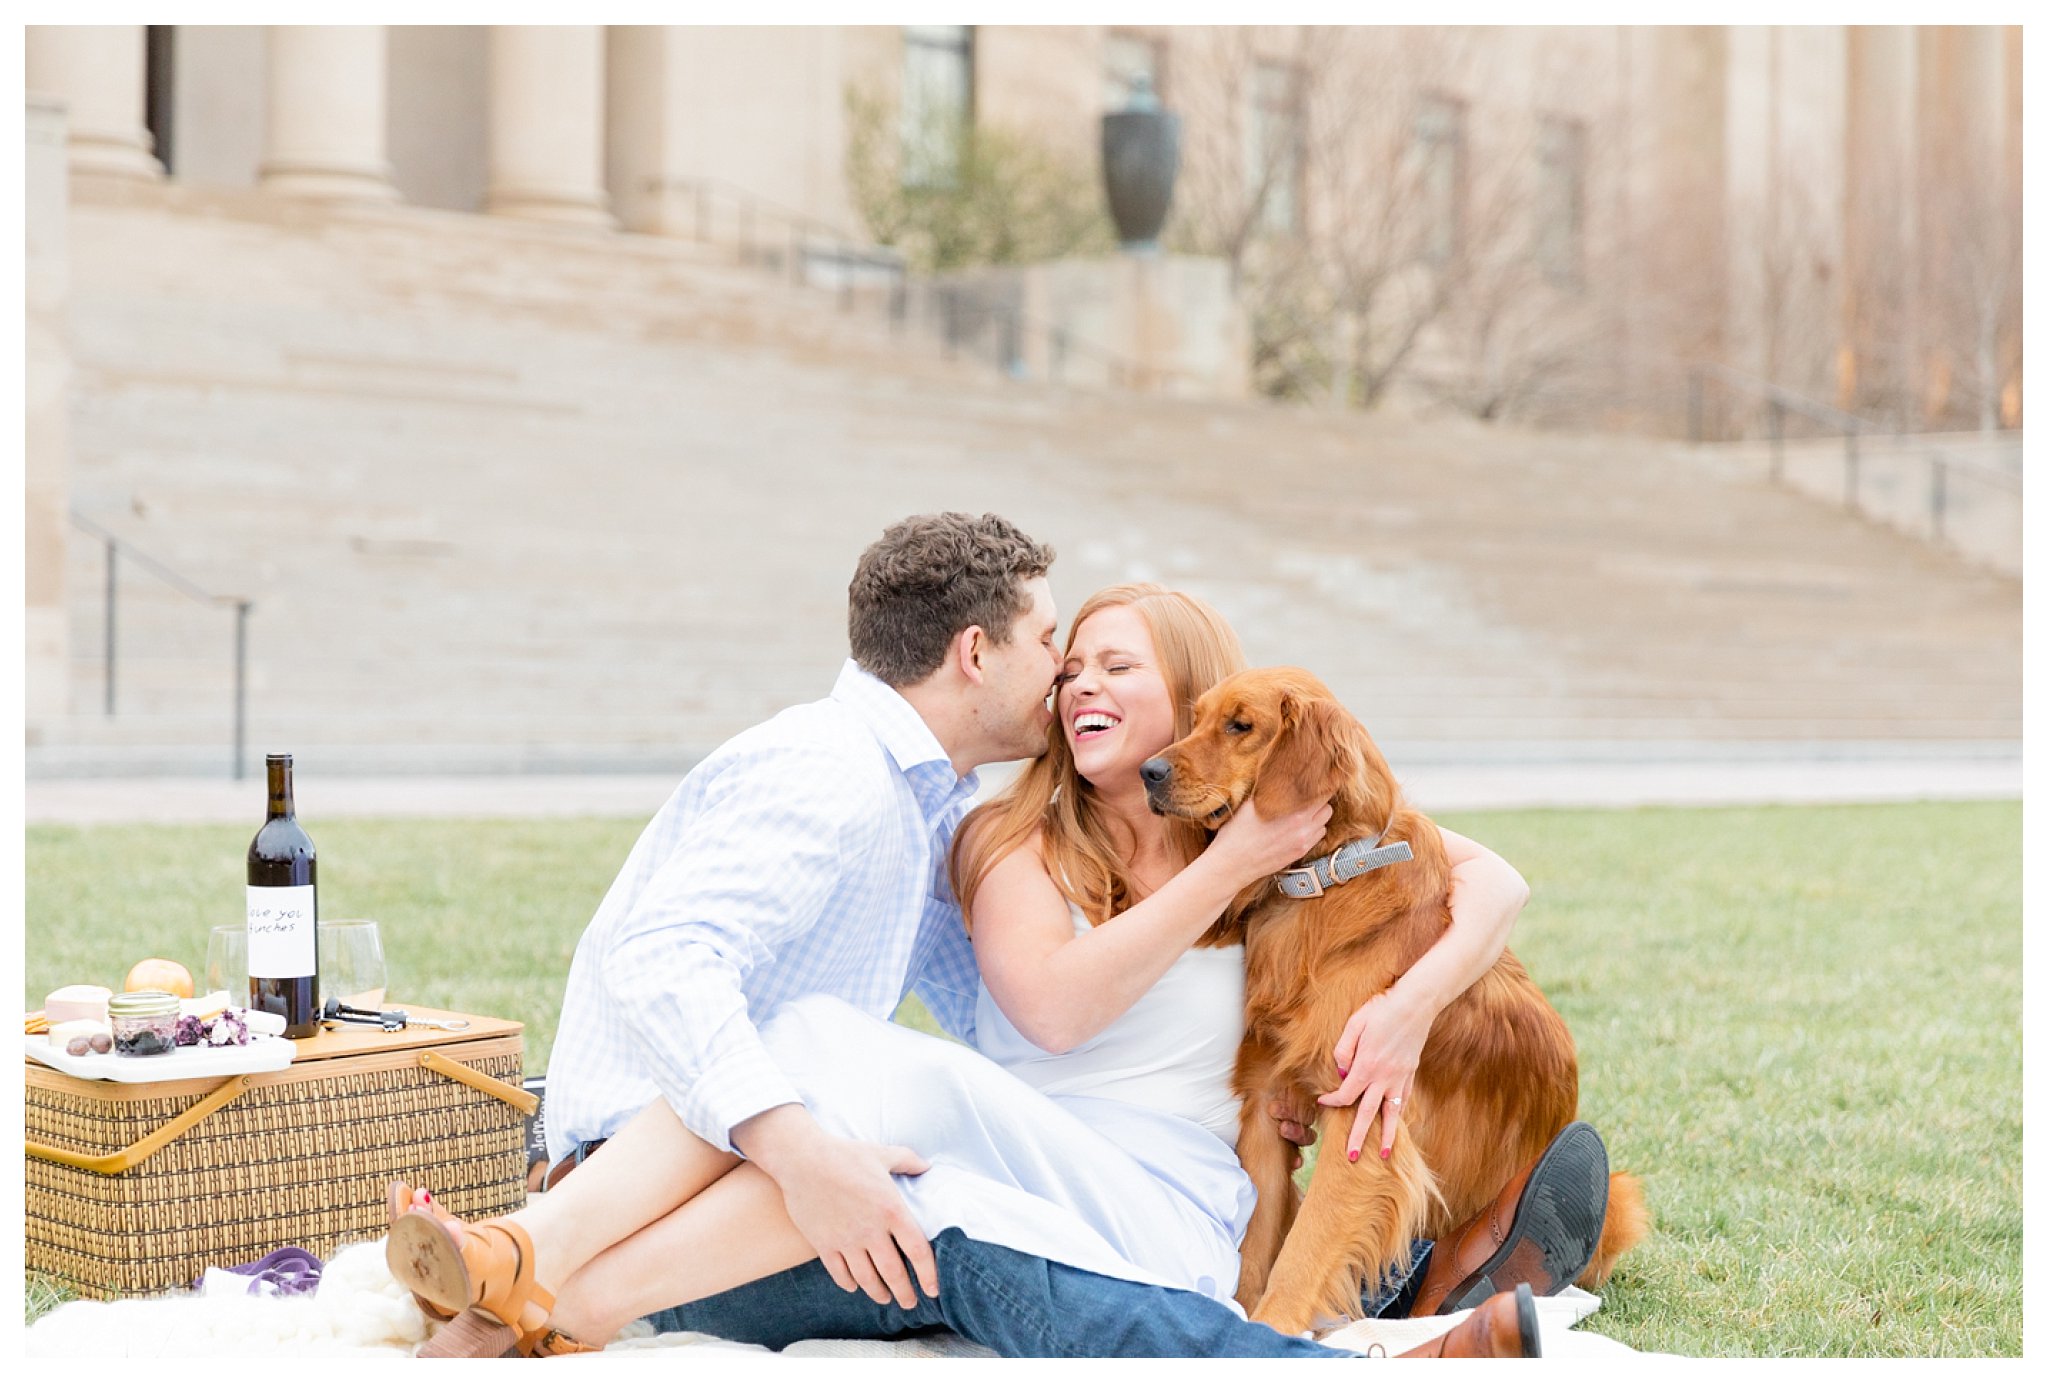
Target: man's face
{"type": "Point", "coordinates": [1019, 679]}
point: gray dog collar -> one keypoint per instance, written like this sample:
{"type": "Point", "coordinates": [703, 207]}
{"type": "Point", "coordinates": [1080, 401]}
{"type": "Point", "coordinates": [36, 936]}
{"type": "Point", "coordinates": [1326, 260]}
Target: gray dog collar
{"type": "Point", "coordinates": [1341, 866]}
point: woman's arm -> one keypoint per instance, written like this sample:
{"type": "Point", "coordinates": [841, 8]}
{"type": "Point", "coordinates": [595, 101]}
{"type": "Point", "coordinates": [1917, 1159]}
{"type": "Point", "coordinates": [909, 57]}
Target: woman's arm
{"type": "Point", "coordinates": [1382, 1044]}
{"type": "Point", "coordinates": [1060, 989]}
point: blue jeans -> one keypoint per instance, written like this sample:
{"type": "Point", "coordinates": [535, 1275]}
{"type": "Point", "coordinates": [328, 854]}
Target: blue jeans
{"type": "Point", "coordinates": [1020, 1306]}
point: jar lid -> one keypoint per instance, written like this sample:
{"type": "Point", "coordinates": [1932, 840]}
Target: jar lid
{"type": "Point", "coordinates": [143, 1003]}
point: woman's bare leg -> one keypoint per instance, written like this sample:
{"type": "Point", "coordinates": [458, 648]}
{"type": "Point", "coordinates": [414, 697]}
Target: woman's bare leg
{"type": "Point", "coordinates": [671, 1261]}
{"type": "Point", "coordinates": [642, 1172]}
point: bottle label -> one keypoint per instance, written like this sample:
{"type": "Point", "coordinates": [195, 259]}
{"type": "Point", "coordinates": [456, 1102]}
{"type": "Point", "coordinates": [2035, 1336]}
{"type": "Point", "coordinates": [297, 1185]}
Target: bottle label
{"type": "Point", "coordinates": [281, 926]}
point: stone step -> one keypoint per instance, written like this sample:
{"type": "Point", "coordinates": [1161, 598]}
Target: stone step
{"type": "Point", "coordinates": [501, 494]}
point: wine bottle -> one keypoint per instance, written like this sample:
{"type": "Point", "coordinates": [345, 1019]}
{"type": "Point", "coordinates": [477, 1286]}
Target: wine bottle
{"type": "Point", "coordinates": [284, 912]}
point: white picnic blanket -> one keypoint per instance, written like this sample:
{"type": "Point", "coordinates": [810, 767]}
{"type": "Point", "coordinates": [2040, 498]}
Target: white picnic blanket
{"type": "Point", "coordinates": [360, 1310]}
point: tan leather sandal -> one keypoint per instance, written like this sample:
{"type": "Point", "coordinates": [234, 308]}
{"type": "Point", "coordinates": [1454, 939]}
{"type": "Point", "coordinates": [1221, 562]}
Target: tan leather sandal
{"type": "Point", "coordinates": [486, 1266]}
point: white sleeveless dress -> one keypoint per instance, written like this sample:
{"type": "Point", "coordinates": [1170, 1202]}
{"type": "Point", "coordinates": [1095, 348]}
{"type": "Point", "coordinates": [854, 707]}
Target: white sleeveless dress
{"type": "Point", "coordinates": [1116, 1157]}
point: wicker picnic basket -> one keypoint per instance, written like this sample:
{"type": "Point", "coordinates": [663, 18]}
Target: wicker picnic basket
{"type": "Point", "coordinates": [137, 1189]}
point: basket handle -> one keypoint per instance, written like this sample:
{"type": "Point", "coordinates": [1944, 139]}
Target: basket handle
{"type": "Point", "coordinates": [525, 1101]}
{"type": "Point", "coordinates": [114, 1163]}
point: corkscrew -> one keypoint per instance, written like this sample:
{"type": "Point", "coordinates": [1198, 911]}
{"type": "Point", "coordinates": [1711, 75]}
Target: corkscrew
{"type": "Point", "coordinates": [389, 1019]}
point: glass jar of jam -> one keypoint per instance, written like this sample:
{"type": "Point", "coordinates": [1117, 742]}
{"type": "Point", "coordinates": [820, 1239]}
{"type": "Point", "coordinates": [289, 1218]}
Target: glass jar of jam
{"type": "Point", "coordinates": [145, 1022]}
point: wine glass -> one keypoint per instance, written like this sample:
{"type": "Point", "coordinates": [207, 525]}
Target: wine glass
{"type": "Point", "coordinates": [351, 963]}
{"type": "Point", "coordinates": [227, 962]}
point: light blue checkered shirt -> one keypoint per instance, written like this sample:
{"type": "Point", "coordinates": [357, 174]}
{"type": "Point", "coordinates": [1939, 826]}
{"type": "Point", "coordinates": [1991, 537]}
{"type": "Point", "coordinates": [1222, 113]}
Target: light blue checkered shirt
{"type": "Point", "coordinates": [804, 856]}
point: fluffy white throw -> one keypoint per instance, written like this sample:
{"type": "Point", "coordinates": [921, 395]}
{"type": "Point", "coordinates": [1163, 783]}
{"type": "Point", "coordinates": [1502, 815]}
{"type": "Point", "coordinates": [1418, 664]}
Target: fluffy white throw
{"type": "Point", "coordinates": [359, 1309]}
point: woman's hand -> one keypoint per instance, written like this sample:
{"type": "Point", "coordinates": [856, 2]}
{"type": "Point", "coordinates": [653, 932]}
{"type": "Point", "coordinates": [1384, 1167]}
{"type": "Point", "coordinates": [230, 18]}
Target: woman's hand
{"type": "Point", "coordinates": [1249, 847]}
{"type": "Point", "coordinates": [1376, 1060]}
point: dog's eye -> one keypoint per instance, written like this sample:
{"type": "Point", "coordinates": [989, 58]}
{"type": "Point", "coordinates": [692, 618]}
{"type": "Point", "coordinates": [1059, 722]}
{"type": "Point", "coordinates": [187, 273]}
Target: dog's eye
{"type": "Point", "coordinates": [1237, 727]}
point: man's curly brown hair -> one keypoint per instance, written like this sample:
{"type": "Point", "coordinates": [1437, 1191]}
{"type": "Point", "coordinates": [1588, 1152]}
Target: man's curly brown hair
{"type": "Point", "coordinates": [927, 578]}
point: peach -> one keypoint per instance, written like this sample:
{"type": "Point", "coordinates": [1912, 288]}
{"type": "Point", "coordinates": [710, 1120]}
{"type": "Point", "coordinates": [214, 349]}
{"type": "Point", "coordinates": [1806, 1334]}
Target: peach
{"type": "Point", "coordinates": [158, 973]}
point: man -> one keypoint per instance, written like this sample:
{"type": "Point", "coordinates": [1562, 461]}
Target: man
{"type": "Point", "coordinates": [807, 856]}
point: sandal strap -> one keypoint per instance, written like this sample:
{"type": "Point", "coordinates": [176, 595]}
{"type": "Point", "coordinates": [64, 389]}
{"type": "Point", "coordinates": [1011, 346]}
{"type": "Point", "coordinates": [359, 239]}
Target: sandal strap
{"type": "Point", "coordinates": [521, 1303]}
{"type": "Point", "coordinates": [548, 1343]}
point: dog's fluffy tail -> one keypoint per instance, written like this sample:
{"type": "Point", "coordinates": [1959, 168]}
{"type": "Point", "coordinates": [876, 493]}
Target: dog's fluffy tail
{"type": "Point", "coordinates": [1628, 1223]}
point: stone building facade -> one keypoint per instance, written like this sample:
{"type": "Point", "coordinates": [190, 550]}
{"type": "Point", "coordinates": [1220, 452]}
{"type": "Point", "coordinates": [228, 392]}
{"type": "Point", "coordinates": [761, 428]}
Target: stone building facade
{"type": "Point", "coordinates": [1556, 222]}
{"type": "Point", "coordinates": [1833, 208]}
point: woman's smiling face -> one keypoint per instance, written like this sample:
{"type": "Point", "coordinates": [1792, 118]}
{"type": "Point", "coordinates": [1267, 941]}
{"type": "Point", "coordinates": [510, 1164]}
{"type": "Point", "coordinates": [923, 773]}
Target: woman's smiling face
{"type": "Point", "coordinates": [1114, 705]}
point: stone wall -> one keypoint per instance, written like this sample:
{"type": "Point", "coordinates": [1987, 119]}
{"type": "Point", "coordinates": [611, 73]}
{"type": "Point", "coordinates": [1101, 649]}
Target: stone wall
{"type": "Point", "coordinates": [46, 403]}
{"type": "Point", "coordinates": [1165, 324]}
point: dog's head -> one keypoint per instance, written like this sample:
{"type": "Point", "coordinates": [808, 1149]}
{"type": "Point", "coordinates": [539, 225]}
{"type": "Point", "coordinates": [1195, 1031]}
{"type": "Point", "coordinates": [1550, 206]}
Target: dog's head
{"type": "Point", "coordinates": [1278, 737]}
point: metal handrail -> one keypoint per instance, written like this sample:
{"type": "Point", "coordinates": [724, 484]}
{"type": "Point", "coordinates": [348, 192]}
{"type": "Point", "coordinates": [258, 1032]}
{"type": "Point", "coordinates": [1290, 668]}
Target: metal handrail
{"type": "Point", "coordinates": [1941, 463]}
{"type": "Point", "coordinates": [1016, 326]}
{"type": "Point", "coordinates": [116, 546]}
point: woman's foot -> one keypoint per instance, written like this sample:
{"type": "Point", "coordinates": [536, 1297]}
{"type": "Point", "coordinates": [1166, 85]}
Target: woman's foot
{"type": "Point", "coordinates": [480, 1274]}
{"type": "Point", "coordinates": [1501, 1327]}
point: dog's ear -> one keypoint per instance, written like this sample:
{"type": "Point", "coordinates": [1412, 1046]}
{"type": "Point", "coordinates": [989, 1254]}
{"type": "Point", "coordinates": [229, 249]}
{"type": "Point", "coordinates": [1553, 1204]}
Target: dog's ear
{"type": "Point", "coordinates": [1314, 755]}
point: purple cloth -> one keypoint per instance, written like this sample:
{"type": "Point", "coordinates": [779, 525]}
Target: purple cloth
{"type": "Point", "coordinates": [285, 1272]}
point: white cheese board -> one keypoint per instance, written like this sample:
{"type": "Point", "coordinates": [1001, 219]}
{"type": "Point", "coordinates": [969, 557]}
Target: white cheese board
{"type": "Point", "coordinates": [184, 1063]}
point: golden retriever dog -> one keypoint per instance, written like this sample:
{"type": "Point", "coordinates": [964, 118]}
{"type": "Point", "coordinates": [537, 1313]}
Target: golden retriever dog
{"type": "Point", "coordinates": [1498, 1077]}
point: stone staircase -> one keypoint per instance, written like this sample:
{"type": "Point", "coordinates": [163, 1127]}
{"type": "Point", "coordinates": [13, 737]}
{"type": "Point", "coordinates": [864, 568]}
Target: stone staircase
{"type": "Point", "coordinates": [514, 498]}
{"type": "Point", "coordinates": [1961, 492]}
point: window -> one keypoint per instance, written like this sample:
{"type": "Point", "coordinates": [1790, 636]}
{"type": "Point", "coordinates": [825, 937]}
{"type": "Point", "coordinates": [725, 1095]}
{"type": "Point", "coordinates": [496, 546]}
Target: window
{"type": "Point", "coordinates": [1440, 169]}
{"type": "Point", "coordinates": [1125, 58]}
{"type": "Point", "coordinates": [1273, 147]}
{"type": "Point", "coordinates": [938, 101]}
{"type": "Point", "coordinates": [1561, 200]}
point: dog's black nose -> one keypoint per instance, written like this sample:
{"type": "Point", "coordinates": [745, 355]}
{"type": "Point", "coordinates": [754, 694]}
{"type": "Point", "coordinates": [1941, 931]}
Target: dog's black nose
{"type": "Point", "coordinates": [1155, 771]}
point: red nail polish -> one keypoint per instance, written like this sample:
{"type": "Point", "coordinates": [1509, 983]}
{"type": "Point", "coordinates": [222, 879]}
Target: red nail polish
{"type": "Point", "coordinates": [1354, 1157]}
{"type": "Point", "coordinates": [1384, 1153]}
{"type": "Point", "coordinates": [1342, 1073]}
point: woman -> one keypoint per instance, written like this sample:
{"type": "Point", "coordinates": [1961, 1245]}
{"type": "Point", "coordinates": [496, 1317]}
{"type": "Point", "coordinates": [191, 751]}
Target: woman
{"type": "Point", "coordinates": [1100, 1134]}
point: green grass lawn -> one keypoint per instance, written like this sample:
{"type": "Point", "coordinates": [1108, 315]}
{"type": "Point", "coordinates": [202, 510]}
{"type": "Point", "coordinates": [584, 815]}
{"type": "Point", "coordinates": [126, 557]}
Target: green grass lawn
{"type": "Point", "coordinates": [1800, 1026]}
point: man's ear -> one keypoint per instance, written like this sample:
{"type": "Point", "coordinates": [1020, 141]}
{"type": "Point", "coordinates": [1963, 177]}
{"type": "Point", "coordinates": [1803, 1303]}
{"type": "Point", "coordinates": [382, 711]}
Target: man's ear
{"type": "Point", "coordinates": [1310, 759]}
{"type": "Point", "coordinates": [968, 647]}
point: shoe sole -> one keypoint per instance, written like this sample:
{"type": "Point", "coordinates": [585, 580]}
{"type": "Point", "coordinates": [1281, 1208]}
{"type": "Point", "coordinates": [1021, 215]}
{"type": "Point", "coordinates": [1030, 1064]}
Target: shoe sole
{"type": "Point", "coordinates": [1552, 1218]}
{"type": "Point", "coordinates": [425, 1261]}
{"type": "Point", "coordinates": [1525, 1321]}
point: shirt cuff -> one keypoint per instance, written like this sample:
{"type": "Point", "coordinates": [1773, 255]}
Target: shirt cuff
{"type": "Point", "coordinates": [739, 1084]}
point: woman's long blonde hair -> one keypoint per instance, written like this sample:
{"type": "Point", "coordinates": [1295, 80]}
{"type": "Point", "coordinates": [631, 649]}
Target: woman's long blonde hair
{"type": "Point", "coordinates": [1196, 650]}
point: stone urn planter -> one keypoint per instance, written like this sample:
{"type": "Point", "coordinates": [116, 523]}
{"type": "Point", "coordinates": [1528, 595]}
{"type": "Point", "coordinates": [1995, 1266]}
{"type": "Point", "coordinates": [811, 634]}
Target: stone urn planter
{"type": "Point", "coordinates": [1140, 159]}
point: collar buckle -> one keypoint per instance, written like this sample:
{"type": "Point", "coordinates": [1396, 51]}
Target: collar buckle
{"type": "Point", "coordinates": [1301, 883]}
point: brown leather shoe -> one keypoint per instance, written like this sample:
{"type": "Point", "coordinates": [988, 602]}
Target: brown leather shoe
{"type": "Point", "coordinates": [1540, 1230]}
{"type": "Point", "coordinates": [1501, 1327]}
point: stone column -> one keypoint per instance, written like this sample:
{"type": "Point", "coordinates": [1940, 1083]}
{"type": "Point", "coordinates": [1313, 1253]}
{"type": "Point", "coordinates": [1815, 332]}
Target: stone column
{"type": "Point", "coordinates": [46, 401]}
{"type": "Point", "coordinates": [97, 72]}
{"type": "Point", "coordinates": [327, 113]}
{"type": "Point", "coordinates": [547, 116]}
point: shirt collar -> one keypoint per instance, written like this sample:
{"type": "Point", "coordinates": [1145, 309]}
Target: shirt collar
{"type": "Point", "coordinates": [902, 731]}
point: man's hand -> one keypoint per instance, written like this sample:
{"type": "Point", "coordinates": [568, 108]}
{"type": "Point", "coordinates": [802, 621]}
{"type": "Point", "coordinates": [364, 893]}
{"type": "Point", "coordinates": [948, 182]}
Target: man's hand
{"type": "Point", "coordinates": [839, 1195]}
{"type": "Point", "coordinates": [1297, 1125]}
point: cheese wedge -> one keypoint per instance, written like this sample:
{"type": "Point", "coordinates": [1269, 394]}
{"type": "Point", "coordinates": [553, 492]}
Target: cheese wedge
{"type": "Point", "coordinates": [206, 1007]}
{"type": "Point", "coordinates": [264, 1024]}
{"type": "Point", "coordinates": [78, 1001]}
{"type": "Point", "coordinates": [62, 1033]}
